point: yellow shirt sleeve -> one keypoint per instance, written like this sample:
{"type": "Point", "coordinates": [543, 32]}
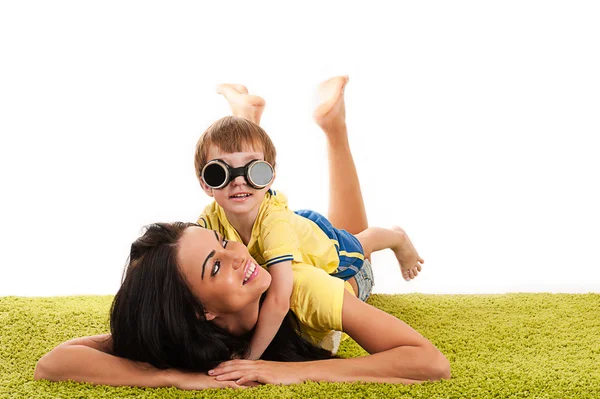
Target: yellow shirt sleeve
{"type": "Point", "coordinates": [279, 239]}
{"type": "Point", "coordinates": [208, 217]}
{"type": "Point", "coordinates": [203, 221]}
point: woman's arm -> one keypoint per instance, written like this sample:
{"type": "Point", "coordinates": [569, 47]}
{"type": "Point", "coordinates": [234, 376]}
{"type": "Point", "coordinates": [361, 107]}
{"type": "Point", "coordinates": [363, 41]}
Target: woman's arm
{"type": "Point", "coordinates": [398, 354]}
{"type": "Point", "coordinates": [89, 359]}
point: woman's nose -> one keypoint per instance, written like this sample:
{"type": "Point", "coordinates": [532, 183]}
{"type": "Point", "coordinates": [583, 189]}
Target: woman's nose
{"type": "Point", "coordinates": [237, 261]}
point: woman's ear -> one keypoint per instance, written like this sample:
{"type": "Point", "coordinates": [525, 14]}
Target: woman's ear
{"type": "Point", "coordinates": [207, 315]}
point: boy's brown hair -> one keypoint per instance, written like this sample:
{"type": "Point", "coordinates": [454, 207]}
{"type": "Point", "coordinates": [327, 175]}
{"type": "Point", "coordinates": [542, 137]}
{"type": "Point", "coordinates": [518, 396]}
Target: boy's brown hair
{"type": "Point", "coordinates": [233, 134]}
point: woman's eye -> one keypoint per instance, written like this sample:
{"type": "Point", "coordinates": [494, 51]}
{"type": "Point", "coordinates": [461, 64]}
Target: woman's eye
{"type": "Point", "coordinates": [225, 243]}
{"type": "Point", "coordinates": [216, 267]}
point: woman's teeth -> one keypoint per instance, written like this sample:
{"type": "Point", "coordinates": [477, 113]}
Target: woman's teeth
{"type": "Point", "coordinates": [249, 271]}
{"type": "Point", "coordinates": [240, 195]}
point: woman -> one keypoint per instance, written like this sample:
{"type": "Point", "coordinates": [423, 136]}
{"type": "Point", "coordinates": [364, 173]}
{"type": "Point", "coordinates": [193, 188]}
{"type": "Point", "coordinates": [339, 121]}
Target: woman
{"type": "Point", "coordinates": [166, 308]}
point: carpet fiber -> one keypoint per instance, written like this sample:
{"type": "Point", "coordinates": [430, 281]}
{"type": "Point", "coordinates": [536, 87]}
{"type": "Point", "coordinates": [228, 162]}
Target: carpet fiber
{"type": "Point", "coordinates": [499, 346]}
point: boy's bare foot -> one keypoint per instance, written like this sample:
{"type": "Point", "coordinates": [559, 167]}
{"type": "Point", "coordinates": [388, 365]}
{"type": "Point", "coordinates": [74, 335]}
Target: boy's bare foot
{"type": "Point", "coordinates": [330, 113]}
{"type": "Point", "coordinates": [242, 104]}
{"type": "Point", "coordinates": [409, 259]}
{"type": "Point", "coordinates": [237, 87]}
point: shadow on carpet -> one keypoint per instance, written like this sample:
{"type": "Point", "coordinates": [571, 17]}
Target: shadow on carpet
{"type": "Point", "coordinates": [499, 346]}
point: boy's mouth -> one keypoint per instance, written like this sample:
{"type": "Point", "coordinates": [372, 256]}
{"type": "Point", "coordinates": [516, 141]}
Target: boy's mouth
{"type": "Point", "coordinates": [240, 197]}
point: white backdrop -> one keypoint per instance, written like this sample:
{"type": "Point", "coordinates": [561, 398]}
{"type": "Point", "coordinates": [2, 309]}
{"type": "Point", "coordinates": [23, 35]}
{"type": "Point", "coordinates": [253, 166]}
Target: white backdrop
{"type": "Point", "coordinates": [474, 126]}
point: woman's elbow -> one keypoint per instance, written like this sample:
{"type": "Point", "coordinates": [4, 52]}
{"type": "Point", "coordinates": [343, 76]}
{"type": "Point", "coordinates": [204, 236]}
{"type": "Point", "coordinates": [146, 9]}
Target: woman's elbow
{"type": "Point", "coordinates": [439, 367]}
{"type": "Point", "coordinates": [47, 367]}
{"type": "Point", "coordinates": [41, 369]}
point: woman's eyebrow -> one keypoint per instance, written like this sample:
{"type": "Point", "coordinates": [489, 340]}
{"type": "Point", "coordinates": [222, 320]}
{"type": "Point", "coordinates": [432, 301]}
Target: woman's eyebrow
{"type": "Point", "coordinates": [210, 255]}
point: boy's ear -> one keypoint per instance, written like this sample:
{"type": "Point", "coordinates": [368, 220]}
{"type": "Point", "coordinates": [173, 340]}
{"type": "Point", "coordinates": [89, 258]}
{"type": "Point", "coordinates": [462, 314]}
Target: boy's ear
{"type": "Point", "coordinates": [207, 190]}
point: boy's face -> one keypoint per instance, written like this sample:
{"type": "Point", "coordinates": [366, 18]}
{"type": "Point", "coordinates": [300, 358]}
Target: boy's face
{"type": "Point", "coordinates": [228, 196]}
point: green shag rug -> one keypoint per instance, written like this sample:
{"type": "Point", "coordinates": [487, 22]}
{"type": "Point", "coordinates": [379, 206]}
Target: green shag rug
{"type": "Point", "coordinates": [499, 346]}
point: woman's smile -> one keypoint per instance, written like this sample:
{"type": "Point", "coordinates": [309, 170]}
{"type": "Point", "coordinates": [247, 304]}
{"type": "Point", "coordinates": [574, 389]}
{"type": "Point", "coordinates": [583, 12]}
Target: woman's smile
{"type": "Point", "coordinates": [252, 270]}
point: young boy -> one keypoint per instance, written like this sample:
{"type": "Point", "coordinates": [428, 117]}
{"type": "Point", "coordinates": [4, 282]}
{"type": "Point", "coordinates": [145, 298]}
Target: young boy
{"type": "Point", "coordinates": [235, 163]}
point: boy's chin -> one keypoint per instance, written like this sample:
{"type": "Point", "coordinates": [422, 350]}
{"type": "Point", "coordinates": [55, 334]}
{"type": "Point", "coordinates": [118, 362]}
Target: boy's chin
{"type": "Point", "coordinates": [233, 206]}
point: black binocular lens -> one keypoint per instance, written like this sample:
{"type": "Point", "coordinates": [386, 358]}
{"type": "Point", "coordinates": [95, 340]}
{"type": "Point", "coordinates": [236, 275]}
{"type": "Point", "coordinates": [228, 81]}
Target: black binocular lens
{"type": "Point", "coordinates": [214, 175]}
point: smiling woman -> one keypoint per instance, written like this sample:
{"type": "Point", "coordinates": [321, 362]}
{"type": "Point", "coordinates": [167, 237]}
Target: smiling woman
{"type": "Point", "coordinates": [179, 278]}
{"type": "Point", "coordinates": [169, 339]}
{"type": "Point", "coordinates": [190, 300]}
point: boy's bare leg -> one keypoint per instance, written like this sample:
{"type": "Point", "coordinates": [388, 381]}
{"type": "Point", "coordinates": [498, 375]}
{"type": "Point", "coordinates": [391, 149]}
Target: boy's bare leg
{"type": "Point", "coordinates": [242, 104]}
{"type": "Point", "coordinates": [346, 205]}
{"type": "Point", "coordinates": [376, 238]}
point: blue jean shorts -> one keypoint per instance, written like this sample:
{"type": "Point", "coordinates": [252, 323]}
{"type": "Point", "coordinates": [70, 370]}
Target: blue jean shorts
{"type": "Point", "coordinates": [365, 281]}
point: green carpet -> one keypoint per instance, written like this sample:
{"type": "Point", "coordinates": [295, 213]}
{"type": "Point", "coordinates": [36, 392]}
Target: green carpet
{"type": "Point", "coordinates": [499, 346]}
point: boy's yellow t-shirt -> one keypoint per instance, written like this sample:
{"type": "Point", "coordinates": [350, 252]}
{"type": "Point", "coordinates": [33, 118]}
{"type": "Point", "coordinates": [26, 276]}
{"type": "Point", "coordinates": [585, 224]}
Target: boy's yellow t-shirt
{"type": "Point", "coordinates": [278, 235]}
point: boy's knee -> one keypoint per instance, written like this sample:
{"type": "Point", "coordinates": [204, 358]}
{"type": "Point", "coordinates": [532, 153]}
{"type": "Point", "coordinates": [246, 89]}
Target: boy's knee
{"type": "Point", "coordinates": [365, 242]}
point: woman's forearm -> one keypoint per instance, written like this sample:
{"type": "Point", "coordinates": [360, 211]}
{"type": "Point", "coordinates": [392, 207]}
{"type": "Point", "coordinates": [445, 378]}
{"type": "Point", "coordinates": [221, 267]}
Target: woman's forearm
{"type": "Point", "coordinates": [407, 365]}
{"type": "Point", "coordinates": [85, 364]}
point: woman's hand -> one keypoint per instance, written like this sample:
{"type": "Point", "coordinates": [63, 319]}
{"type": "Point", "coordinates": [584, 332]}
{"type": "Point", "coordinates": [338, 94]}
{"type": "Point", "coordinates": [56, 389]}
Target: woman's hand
{"type": "Point", "coordinates": [244, 372]}
{"type": "Point", "coordinates": [197, 381]}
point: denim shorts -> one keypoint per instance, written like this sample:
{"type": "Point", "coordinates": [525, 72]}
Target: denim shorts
{"type": "Point", "coordinates": [365, 281]}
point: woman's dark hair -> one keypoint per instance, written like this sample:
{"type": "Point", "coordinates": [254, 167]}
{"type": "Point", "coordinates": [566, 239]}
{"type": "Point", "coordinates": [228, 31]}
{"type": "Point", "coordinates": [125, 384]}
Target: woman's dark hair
{"type": "Point", "coordinates": [155, 318]}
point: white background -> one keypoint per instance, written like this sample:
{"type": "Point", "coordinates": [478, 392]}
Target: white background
{"type": "Point", "coordinates": [474, 126]}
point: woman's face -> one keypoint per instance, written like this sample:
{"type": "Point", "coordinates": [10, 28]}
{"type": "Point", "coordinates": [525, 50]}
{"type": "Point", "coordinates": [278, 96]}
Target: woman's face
{"type": "Point", "coordinates": [216, 271]}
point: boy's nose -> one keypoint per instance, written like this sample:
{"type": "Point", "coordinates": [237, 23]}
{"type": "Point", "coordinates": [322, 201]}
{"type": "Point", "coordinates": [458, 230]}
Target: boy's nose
{"type": "Point", "coordinates": [238, 181]}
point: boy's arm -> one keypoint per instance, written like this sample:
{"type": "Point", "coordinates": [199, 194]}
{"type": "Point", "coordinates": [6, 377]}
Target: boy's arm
{"type": "Point", "coordinates": [274, 308]}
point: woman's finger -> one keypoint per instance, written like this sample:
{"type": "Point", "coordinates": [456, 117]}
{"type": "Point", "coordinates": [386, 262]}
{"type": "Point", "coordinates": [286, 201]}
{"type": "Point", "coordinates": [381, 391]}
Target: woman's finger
{"type": "Point", "coordinates": [235, 362]}
{"type": "Point", "coordinates": [251, 384]}
{"type": "Point", "coordinates": [247, 378]}
{"type": "Point", "coordinates": [232, 384]}
{"type": "Point", "coordinates": [222, 370]}
{"type": "Point", "coordinates": [231, 376]}
{"type": "Point", "coordinates": [232, 364]}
